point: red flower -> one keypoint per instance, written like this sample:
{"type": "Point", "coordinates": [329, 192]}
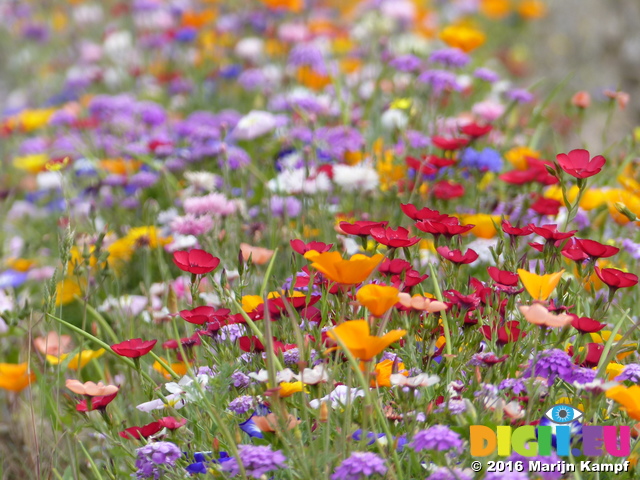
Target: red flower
{"type": "Point", "coordinates": [204, 314]}
{"type": "Point", "coordinates": [97, 403]}
{"type": "Point", "coordinates": [449, 143]}
{"type": "Point", "coordinates": [195, 261]}
{"type": "Point", "coordinates": [188, 342]}
{"type": "Point", "coordinates": [476, 130]}
{"type": "Point", "coordinates": [411, 279]}
{"type": "Point", "coordinates": [592, 358]}
{"type": "Point", "coordinates": [596, 250]}
{"type": "Point", "coordinates": [586, 324]}
{"type": "Point", "coordinates": [413, 213]}
{"type": "Point", "coordinates": [449, 227]}
{"type": "Point", "coordinates": [456, 256]}
{"type": "Point", "coordinates": [546, 206]}
{"type": "Point", "coordinates": [134, 348]}
{"type": "Point", "coordinates": [578, 163]}
{"type": "Point", "coordinates": [421, 165]}
{"type": "Point", "coordinates": [252, 344]}
{"type": "Point", "coordinates": [141, 432]}
{"type": "Point", "coordinates": [515, 231]}
{"type": "Point", "coordinates": [300, 247]}
{"type": "Point", "coordinates": [361, 228]}
{"type": "Point", "coordinates": [615, 278]}
{"type": "Point", "coordinates": [393, 238]}
{"type": "Point", "coordinates": [393, 267]}
{"type": "Point", "coordinates": [550, 232]}
{"type": "Point", "coordinates": [439, 162]}
{"type": "Point", "coordinates": [463, 302]}
{"type": "Point", "coordinates": [171, 423]}
{"type": "Point", "coordinates": [507, 334]}
{"type": "Point", "coordinates": [446, 190]}
{"type": "Point", "coordinates": [503, 277]}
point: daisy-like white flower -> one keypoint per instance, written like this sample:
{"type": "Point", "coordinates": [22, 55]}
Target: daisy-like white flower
{"type": "Point", "coordinates": [420, 380]}
{"type": "Point", "coordinates": [180, 394]}
{"type": "Point", "coordinates": [313, 376]}
{"type": "Point", "coordinates": [339, 397]}
{"type": "Point", "coordinates": [262, 376]}
{"type": "Point", "coordinates": [359, 177]}
{"type": "Point", "coordinates": [254, 124]}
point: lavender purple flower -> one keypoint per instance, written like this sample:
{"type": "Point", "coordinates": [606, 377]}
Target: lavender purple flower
{"type": "Point", "coordinates": [439, 438]}
{"type": "Point", "coordinates": [359, 465]}
{"type": "Point", "coordinates": [257, 461]}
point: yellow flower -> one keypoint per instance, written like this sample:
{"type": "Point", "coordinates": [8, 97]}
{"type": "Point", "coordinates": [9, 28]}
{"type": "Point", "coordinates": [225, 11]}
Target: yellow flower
{"type": "Point", "coordinates": [148, 236]}
{"type": "Point", "coordinates": [518, 156]}
{"type": "Point", "coordinates": [251, 302]}
{"type": "Point", "coordinates": [31, 163]}
{"type": "Point", "coordinates": [79, 360]}
{"type": "Point", "coordinates": [390, 173]}
{"type": "Point", "coordinates": [463, 37]}
{"type": "Point", "coordinates": [289, 388]}
{"type": "Point", "coordinates": [354, 334]}
{"type": "Point", "coordinates": [604, 335]}
{"type": "Point", "coordinates": [66, 290]}
{"type": "Point", "coordinates": [15, 377]}
{"type": "Point", "coordinates": [629, 398]}
{"type": "Point", "coordinates": [401, 104]}
{"type": "Point", "coordinates": [628, 199]}
{"type": "Point", "coordinates": [484, 224]}
{"type": "Point", "coordinates": [539, 286]}
{"type": "Point", "coordinates": [31, 120]}
{"type": "Point", "coordinates": [377, 298]}
{"type": "Point", "coordinates": [613, 370]}
{"type": "Point", "coordinates": [349, 272]}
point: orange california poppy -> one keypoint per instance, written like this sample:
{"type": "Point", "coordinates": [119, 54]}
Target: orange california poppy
{"type": "Point", "coordinates": [349, 272]}
{"type": "Point", "coordinates": [629, 398]}
{"type": "Point", "coordinates": [355, 336]}
{"type": "Point", "coordinates": [15, 377]}
{"type": "Point", "coordinates": [539, 287]}
{"type": "Point", "coordinates": [384, 370]}
{"type": "Point", "coordinates": [377, 298]}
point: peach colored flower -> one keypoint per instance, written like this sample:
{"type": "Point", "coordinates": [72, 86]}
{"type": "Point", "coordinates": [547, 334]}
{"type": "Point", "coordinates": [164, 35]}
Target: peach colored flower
{"type": "Point", "coordinates": [259, 255]}
{"type": "Point", "coordinates": [53, 344]}
{"type": "Point", "coordinates": [89, 388]}
{"type": "Point", "coordinates": [621, 97]}
{"type": "Point", "coordinates": [581, 99]}
{"type": "Point", "coordinates": [418, 302]}
{"type": "Point", "coordinates": [539, 315]}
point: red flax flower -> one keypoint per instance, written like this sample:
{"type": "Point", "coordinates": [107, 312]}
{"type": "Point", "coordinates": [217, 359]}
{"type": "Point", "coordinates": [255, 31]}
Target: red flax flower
{"type": "Point", "coordinates": [448, 226]}
{"type": "Point", "coordinates": [615, 278]}
{"type": "Point", "coordinates": [446, 190]}
{"type": "Point", "coordinates": [141, 432]}
{"type": "Point", "coordinates": [362, 228]}
{"type": "Point", "coordinates": [456, 256]}
{"type": "Point", "coordinates": [171, 423]}
{"type": "Point", "coordinates": [413, 213]}
{"type": "Point", "coordinates": [421, 166]}
{"type": "Point", "coordinates": [300, 247]}
{"type": "Point", "coordinates": [97, 403]}
{"type": "Point", "coordinates": [449, 143]}
{"type": "Point", "coordinates": [595, 249]}
{"type": "Point", "coordinates": [134, 348]}
{"type": "Point", "coordinates": [550, 232]}
{"type": "Point", "coordinates": [475, 130]}
{"type": "Point", "coordinates": [578, 163]}
{"type": "Point", "coordinates": [516, 231]}
{"type": "Point", "coordinates": [503, 277]}
{"type": "Point", "coordinates": [204, 314]}
{"type": "Point", "coordinates": [509, 333]}
{"type": "Point", "coordinates": [397, 238]}
{"type": "Point", "coordinates": [546, 206]}
{"type": "Point", "coordinates": [195, 261]}
{"type": "Point", "coordinates": [586, 324]}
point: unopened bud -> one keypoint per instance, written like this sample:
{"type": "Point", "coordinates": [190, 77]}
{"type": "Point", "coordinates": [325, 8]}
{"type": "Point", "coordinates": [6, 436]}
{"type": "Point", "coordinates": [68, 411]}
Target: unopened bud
{"type": "Point", "coordinates": [623, 209]}
{"type": "Point", "coordinates": [172, 301]}
{"type": "Point", "coordinates": [324, 413]}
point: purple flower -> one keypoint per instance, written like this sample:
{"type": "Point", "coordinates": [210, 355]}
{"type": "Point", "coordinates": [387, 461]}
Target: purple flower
{"type": "Point", "coordinates": [240, 380]}
{"type": "Point", "coordinates": [291, 357]}
{"type": "Point", "coordinates": [417, 139]}
{"type": "Point", "coordinates": [444, 473]}
{"type": "Point", "coordinates": [359, 465]}
{"type": "Point", "coordinates": [306, 54]}
{"type": "Point", "coordinates": [242, 404]}
{"type": "Point", "coordinates": [450, 57]}
{"type": "Point", "coordinates": [515, 385]}
{"type": "Point", "coordinates": [151, 113]}
{"type": "Point", "coordinates": [155, 455]}
{"type": "Point", "coordinates": [631, 247]}
{"type": "Point", "coordinates": [143, 179]}
{"type": "Point", "coordinates": [406, 63]}
{"type": "Point", "coordinates": [486, 75]}
{"type": "Point", "coordinates": [631, 372]}
{"type": "Point", "coordinates": [551, 364]}
{"type": "Point", "coordinates": [252, 79]}
{"type": "Point", "coordinates": [486, 160]}
{"type": "Point", "coordinates": [520, 95]}
{"type": "Point", "coordinates": [439, 80]}
{"type": "Point", "coordinates": [439, 438]}
{"type": "Point", "coordinates": [257, 461]}
{"type": "Point", "coordinates": [290, 206]}
{"type": "Point", "coordinates": [583, 375]}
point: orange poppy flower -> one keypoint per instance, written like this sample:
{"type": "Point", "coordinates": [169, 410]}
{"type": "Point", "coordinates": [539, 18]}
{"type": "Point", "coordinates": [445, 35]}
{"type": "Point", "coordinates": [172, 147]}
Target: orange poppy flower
{"type": "Point", "coordinates": [349, 272]}
{"type": "Point", "coordinates": [629, 398]}
{"type": "Point", "coordinates": [539, 286]}
{"type": "Point", "coordinates": [355, 336]}
{"type": "Point", "coordinates": [15, 377]}
{"type": "Point", "coordinates": [294, 6]}
{"type": "Point", "coordinates": [462, 37]}
{"type": "Point", "coordinates": [259, 255]}
{"type": "Point", "coordinates": [377, 298]}
{"type": "Point", "coordinates": [383, 372]}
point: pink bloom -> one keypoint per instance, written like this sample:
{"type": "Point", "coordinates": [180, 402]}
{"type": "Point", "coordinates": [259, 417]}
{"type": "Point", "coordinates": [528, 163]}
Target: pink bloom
{"type": "Point", "coordinates": [192, 225]}
{"type": "Point", "coordinates": [214, 204]}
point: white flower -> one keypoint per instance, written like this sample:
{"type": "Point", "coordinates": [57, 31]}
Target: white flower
{"type": "Point", "coordinates": [250, 48]}
{"type": "Point", "coordinates": [394, 119]}
{"type": "Point", "coordinates": [181, 393]}
{"type": "Point", "coordinates": [254, 124]}
{"type": "Point", "coordinates": [262, 376]}
{"type": "Point", "coordinates": [313, 376]}
{"type": "Point", "coordinates": [359, 177]}
{"type": "Point", "coordinates": [421, 380]}
{"type": "Point", "coordinates": [127, 305]}
{"type": "Point", "coordinates": [293, 181]}
{"type": "Point", "coordinates": [182, 242]}
{"type": "Point", "coordinates": [338, 397]}
{"type": "Point", "coordinates": [202, 180]}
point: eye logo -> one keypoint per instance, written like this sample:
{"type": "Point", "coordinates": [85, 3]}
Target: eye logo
{"type": "Point", "coordinates": [563, 414]}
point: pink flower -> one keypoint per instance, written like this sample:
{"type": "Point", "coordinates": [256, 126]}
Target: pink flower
{"type": "Point", "coordinates": [213, 204]}
{"type": "Point", "coordinates": [192, 225]}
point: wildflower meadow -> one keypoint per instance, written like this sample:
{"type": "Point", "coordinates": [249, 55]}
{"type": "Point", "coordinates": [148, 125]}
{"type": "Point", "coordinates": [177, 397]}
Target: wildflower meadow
{"type": "Point", "coordinates": [311, 239]}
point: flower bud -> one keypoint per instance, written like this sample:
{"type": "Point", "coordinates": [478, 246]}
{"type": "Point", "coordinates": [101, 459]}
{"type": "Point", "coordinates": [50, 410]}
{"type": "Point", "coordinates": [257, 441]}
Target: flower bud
{"type": "Point", "coordinates": [623, 209]}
